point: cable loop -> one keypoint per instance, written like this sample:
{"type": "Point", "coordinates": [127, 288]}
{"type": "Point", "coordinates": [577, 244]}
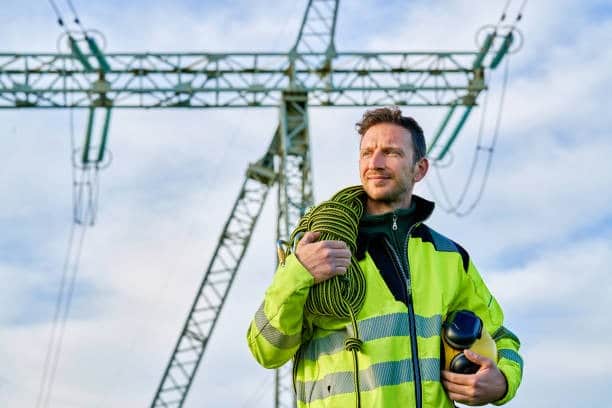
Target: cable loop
{"type": "Point", "coordinates": [352, 344]}
{"type": "Point", "coordinates": [337, 219]}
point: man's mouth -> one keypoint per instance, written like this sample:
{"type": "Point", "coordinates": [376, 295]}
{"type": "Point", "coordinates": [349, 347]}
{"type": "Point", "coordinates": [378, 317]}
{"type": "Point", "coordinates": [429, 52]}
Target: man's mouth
{"type": "Point", "coordinates": [377, 177]}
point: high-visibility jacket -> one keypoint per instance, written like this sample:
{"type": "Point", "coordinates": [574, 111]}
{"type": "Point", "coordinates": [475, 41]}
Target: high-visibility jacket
{"type": "Point", "coordinates": [399, 362]}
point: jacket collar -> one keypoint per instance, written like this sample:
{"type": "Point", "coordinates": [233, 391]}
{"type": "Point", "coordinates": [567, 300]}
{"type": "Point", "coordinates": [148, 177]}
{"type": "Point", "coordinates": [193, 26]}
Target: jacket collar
{"type": "Point", "coordinates": [422, 211]}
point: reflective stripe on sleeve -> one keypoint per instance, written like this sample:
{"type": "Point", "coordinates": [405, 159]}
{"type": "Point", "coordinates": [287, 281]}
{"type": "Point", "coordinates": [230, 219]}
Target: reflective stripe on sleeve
{"type": "Point", "coordinates": [272, 334]}
{"type": "Point", "coordinates": [511, 355]}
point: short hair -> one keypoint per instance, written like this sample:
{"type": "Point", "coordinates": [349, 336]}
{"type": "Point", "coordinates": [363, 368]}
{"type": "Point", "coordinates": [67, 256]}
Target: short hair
{"type": "Point", "coordinates": [393, 114]}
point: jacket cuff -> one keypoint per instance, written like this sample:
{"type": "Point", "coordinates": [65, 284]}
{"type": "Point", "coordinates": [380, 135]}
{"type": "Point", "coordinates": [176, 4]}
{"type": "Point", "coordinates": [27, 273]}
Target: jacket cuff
{"type": "Point", "coordinates": [512, 371]}
{"type": "Point", "coordinates": [290, 279]}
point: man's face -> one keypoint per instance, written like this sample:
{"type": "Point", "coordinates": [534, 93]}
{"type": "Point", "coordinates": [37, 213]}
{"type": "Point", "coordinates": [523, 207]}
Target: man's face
{"type": "Point", "coordinates": [386, 164]}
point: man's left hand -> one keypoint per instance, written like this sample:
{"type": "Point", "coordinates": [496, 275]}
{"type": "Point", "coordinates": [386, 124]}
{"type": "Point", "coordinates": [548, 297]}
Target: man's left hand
{"type": "Point", "coordinates": [488, 384]}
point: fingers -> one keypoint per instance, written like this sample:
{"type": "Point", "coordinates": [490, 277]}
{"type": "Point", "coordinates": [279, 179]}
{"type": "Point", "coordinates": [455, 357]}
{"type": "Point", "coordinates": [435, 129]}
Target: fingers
{"type": "Point", "coordinates": [309, 237]}
{"type": "Point", "coordinates": [460, 387]}
{"type": "Point", "coordinates": [458, 379]}
{"type": "Point", "coordinates": [323, 259]}
{"type": "Point", "coordinates": [474, 357]}
{"type": "Point", "coordinates": [332, 244]}
{"type": "Point", "coordinates": [312, 237]}
{"type": "Point", "coordinates": [486, 385]}
{"type": "Point", "coordinates": [337, 253]}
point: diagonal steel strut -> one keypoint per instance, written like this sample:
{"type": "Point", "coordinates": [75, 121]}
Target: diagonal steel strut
{"type": "Point", "coordinates": [212, 293]}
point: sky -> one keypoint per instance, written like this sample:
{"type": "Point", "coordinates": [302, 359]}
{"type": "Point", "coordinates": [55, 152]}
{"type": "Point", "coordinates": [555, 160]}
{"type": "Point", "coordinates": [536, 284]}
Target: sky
{"type": "Point", "coordinates": [540, 235]}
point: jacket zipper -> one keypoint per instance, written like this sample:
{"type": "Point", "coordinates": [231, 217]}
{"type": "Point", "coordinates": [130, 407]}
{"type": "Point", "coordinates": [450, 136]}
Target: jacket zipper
{"type": "Point", "coordinates": [411, 319]}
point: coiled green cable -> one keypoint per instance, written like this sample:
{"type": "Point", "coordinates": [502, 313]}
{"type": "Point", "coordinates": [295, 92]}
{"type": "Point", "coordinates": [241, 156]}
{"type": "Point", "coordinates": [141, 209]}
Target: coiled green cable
{"type": "Point", "coordinates": [341, 296]}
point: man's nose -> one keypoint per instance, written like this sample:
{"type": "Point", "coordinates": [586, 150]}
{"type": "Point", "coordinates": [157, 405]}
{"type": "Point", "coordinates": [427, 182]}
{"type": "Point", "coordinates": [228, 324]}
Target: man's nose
{"type": "Point", "coordinates": [376, 161]}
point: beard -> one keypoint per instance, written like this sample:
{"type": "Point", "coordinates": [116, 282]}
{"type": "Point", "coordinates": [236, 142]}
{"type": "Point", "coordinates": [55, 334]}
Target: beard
{"type": "Point", "coordinates": [386, 194]}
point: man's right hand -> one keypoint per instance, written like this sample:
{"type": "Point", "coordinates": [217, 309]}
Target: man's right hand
{"type": "Point", "coordinates": [323, 259]}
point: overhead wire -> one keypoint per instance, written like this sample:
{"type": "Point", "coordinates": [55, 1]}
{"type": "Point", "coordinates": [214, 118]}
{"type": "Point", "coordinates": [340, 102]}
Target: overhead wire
{"type": "Point", "coordinates": [455, 207]}
{"type": "Point", "coordinates": [490, 150]}
{"type": "Point", "coordinates": [519, 15]}
{"type": "Point", "coordinates": [64, 318]}
{"type": "Point", "coordinates": [504, 11]}
{"type": "Point", "coordinates": [76, 19]}
{"type": "Point", "coordinates": [58, 307]}
{"type": "Point", "coordinates": [63, 301]}
{"type": "Point", "coordinates": [51, 344]}
{"type": "Point", "coordinates": [60, 20]}
{"type": "Point", "coordinates": [257, 395]}
{"type": "Point", "coordinates": [67, 284]}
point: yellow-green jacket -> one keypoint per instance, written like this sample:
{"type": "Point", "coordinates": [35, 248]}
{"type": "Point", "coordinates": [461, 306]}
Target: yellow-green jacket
{"type": "Point", "coordinates": [399, 362]}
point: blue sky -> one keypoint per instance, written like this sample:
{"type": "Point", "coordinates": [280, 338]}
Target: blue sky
{"type": "Point", "coordinates": [540, 236]}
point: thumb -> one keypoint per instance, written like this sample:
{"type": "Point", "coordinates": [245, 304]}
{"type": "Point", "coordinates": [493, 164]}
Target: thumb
{"type": "Point", "coordinates": [309, 237]}
{"type": "Point", "coordinates": [477, 358]}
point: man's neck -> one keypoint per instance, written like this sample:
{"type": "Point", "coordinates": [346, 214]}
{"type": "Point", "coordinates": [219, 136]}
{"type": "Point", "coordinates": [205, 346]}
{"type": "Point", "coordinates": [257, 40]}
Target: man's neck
{"type": "Point", "coordinates": [375, 207]}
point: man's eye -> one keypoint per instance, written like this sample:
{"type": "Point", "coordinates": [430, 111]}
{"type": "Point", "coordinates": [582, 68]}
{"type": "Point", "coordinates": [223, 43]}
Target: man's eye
{"type": "Point", "coordinates": [365, 153]}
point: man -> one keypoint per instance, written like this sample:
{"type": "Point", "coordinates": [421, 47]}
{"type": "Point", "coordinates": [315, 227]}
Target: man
{"type": "Point", "coordinates": [414, 277]}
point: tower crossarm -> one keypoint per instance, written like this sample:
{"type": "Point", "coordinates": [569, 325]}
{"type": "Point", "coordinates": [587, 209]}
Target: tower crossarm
{"type": "Point", "coordinates": [207, 80]}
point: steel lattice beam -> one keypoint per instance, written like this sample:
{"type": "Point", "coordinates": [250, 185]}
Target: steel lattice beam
{"type": "Point", "coordinates": [318, 27]}
{"type": "Point", "coordinates": [192, 80]}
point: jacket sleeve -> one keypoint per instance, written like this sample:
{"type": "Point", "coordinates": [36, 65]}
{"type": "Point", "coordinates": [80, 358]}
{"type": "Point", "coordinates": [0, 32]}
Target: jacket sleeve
{"type": "Point", "coordinates": [475, 296]}
{"type": "Point", "coordinates": [275, 333]}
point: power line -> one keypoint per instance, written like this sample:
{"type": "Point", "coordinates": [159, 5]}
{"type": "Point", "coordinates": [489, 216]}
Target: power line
{"type": "Point", "coordinates": [58, 307]}
{"type": "Point", "coordinates": [62, 307]}
{"type": "Point", "coordinates": [68, 304]}
{"type": "Point", "coordinates": [494, 142]}
{"type": "Point", "coordinates": [58, 14]}
{"type": "Point", "coordinates": [504, 11]}
{"type": "Point", "coordinates": [454, 208]}
{"type": "Point", "coordinates": [519, 15]}
{"type": "Point", "coordinates": [256, 396]}
{"type": "Point", "coordinates": [76, 20]}
{"type": "Point", "coordinates": [65, 293]}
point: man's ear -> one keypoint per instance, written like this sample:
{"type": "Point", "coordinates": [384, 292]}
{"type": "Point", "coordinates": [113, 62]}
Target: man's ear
{"type": "Point", "coordinates": [420, 169]}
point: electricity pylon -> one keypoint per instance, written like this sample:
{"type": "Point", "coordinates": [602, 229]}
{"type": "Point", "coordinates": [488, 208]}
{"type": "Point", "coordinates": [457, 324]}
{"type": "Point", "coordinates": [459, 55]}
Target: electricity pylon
{"type": "Point", "coordinates": [312, 73]}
